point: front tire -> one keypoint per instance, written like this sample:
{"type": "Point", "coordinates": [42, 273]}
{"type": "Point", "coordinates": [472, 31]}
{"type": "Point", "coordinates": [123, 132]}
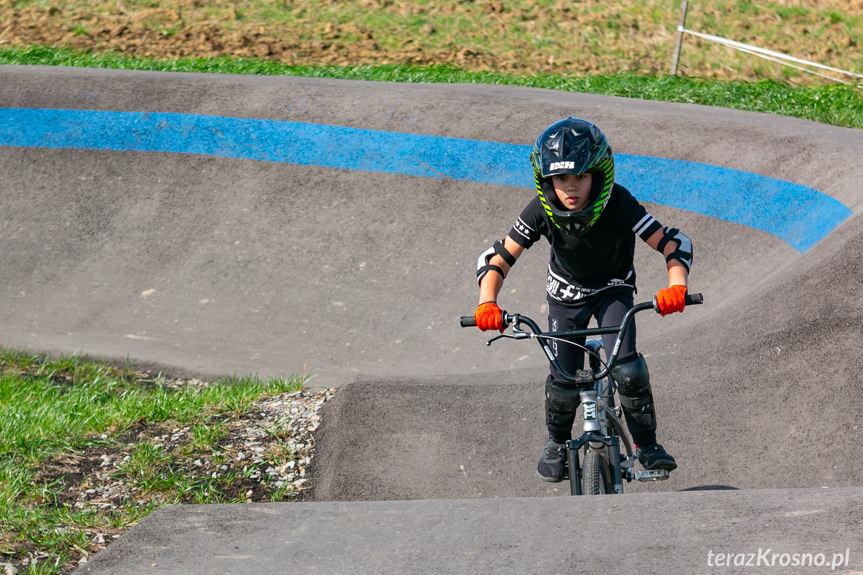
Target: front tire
{"type": "Point", "coordinates": [596, 474]}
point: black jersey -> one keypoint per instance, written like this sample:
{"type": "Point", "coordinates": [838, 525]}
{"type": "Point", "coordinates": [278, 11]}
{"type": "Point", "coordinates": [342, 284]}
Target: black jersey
{"type": "Point", "coordinates": [602, 258]}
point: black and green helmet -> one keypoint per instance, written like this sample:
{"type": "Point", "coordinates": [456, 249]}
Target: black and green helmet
{"type": "Point", "coordinates": [573, 146]}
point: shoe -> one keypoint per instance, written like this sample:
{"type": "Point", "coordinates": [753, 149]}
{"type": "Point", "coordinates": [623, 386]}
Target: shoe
{"type": "Point", "coordinates": [654, 457]}
{"type": "Point", "coordinates": [552, 464]}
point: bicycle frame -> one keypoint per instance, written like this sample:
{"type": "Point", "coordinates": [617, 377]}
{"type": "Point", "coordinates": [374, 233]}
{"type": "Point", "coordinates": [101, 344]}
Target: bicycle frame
{"type": "Point", "coordinates": [602, 426]}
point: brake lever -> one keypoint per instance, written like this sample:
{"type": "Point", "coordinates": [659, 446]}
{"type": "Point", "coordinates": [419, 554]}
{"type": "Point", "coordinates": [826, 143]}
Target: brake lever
{"type": "Point", "coordinates": [516, 334]}
{"type": "Point", "coordinates": [497, 337]}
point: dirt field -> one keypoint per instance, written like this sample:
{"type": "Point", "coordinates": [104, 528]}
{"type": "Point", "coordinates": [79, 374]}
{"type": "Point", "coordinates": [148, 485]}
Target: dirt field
{"type": "Point", "coordinates": [518, 37]}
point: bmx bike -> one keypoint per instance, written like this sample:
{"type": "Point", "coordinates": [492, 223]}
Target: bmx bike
{"type": "Point", "coordinates": [595, 462]}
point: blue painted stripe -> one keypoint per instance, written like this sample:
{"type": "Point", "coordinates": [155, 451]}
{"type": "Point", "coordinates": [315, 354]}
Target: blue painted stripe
{"type": "Point", "coordinates": [799, 215]}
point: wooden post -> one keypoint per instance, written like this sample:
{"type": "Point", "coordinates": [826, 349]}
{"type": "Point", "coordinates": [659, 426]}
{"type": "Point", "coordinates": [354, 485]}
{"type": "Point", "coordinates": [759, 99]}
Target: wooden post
{"type": "Point", "coordinates": [680, 27]}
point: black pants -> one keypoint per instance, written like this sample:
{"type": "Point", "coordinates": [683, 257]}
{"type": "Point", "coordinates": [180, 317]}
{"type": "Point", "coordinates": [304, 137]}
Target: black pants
{"type": "Point", "coordinates": [608, 308]}
{"type": "Point", "coordinates": [562, 402]}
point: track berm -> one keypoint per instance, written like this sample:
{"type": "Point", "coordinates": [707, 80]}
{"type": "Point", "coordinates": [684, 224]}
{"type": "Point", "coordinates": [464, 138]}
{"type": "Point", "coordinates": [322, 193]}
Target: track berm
{"type": "Point", "coordinates": [425, 461]}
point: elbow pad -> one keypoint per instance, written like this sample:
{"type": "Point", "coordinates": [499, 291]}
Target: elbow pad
{"type": "Point", "coordinates": [683, 252]}
{"type": "Point", "coordinates": [484, 265]}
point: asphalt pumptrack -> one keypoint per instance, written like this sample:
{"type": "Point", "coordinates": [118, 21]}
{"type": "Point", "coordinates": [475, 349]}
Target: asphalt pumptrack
{"type": "Point", "coordinates": [277, 225]}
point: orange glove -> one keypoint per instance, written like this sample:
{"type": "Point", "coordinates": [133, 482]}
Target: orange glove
{"type": "Point", "coordinates": [489, 316]}
{"type": "Point", "coordinates": [671, 299]}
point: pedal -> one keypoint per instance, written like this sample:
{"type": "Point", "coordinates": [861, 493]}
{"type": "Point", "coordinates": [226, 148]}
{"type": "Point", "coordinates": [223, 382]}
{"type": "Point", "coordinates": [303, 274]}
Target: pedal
{"type": "Point", "coordinates": [650, 475]}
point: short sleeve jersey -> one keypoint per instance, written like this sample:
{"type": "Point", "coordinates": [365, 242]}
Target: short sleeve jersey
{"type": "Point", "coordinates": [602, 258]}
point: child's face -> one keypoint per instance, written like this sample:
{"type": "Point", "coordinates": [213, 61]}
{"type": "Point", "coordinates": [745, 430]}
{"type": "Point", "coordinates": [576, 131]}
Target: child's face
{"type": "Point", "coordinates": [573, 190]}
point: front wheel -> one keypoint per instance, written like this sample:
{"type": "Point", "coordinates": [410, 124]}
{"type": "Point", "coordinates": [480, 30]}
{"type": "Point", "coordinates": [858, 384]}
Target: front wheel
{"type": "Point", "coordinates": [596, 473]}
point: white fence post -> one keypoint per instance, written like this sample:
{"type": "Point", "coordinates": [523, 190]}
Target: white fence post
{"type": "Point", "coordinates": [681, 26]}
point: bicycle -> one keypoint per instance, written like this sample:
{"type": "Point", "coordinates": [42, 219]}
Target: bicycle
{"type": "Point", "coordinates": [602, 468]}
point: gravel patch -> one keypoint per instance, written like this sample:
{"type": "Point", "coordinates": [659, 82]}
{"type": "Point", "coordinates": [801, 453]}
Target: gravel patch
{"type": "Point", "coordinates": [262, 455]}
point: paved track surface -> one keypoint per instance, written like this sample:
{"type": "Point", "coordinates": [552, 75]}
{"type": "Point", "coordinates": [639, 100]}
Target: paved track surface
{"type": "Point", "coordinates": [692, 533]}
{"type": "Point", "coordinates": [216, 266]}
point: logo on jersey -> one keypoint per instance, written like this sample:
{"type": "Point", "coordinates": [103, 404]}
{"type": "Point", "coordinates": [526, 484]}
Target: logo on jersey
{"type": "Point", "coordinates": [523, 228]}
{"type": "Point", "coordinates": [563, 291]}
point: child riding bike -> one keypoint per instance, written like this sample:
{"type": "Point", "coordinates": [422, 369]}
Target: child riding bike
{"type": "Point", "coordinates": [591, 223]}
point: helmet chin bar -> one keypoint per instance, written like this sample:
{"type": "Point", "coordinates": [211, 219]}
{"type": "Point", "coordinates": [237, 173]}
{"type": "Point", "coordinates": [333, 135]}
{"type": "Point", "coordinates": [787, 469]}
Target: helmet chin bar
{"type": "Point", "coordinates": [575, 225]}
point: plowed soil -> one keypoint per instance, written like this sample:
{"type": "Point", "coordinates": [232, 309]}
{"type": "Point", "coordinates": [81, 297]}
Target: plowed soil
{"type": "Point", "coordinates": [480, 35]}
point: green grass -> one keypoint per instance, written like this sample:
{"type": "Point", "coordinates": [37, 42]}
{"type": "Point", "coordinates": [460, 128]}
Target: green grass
{"type": "Point", "coordinates": [61, 408]}
{"type": "Point", "coordinates": [52, 410]}
{"type": "Point", "coordinates": [839, 105]}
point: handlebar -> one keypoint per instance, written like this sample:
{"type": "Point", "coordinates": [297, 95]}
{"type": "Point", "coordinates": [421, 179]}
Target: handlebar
{"type": "Point", "coordinates": [520, 321]}
{"type": "Point", "coordinates": [470, 321]}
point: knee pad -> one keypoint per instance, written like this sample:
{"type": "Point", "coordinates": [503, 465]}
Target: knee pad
{"type": "Point", "coordinates": [631, 375]}
{"type": "Point", "coordinates": [636, 398]}
{"type": "Point", "coordinates": [561, 404]}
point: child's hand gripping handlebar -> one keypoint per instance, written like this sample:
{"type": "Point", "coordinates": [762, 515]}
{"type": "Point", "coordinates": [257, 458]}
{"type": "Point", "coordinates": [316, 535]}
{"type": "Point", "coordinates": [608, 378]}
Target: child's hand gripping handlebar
{"type": "Point", "coordinates": [489, 316]}
{"type": "Point", "coordinates": [689, 299]}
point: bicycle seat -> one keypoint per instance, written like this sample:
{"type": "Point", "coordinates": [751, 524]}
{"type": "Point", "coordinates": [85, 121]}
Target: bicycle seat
{"type": "Point", "coordinates": [593, 345]}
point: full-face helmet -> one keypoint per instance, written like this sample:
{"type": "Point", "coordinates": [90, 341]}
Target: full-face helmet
{"type": "Point", "coordinates": [573, 146]}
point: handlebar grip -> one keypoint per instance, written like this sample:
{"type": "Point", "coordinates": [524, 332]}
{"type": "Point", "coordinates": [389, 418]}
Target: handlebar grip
{"type": "Point", "coordinates": [694, 299]}
{"type": "Point", "coordinates": [468, 321]}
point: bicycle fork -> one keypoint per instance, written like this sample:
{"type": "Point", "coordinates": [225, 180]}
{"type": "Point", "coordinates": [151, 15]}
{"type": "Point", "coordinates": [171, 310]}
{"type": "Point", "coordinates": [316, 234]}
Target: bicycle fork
{"type": "Point", "coordinates": [596, 436]}
{"type": "Point", "coordinates": [613, 445]}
